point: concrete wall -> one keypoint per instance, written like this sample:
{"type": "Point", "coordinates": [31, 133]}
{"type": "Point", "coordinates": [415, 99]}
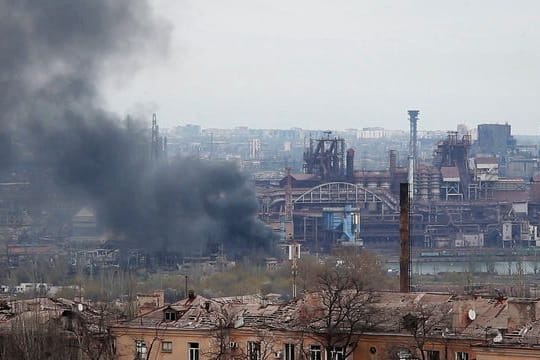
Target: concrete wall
{"type": "Point", "coordinates": [500, 353]}
{"type": "Point", "coordinates": [125, 343]}
{"type": "Point", "coordinates": [370, 347]}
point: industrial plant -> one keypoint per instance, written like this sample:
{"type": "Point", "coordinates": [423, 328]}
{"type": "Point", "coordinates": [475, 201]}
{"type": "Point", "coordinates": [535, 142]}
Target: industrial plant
{"type": "Point", "coordinates": [466, 194]}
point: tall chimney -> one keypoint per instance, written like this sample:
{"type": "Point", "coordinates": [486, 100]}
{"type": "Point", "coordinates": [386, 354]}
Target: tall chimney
{"type": "Point", "coordinates": [413, 154]}
{"type": "Point", "coordinates": [392, 154]}
{"type": "Point", "coordinates": [289, 218]}
{"type": "Point", "coordinates": [350, 164]}
{"type": "Point", "coordinates": [405, 244]}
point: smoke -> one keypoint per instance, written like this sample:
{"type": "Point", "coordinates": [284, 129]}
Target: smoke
{"type": "Point", "coordinates": [53, 56]}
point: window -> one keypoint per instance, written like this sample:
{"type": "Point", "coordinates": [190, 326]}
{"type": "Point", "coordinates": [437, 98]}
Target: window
{"type": "Point", "coordinates": [462, 355]}
{"type": "Point", "coordinates": [171, 316]}
{"type": "Point", "coordinates": [315, 352]}
{"type": "Point", "coordinates": [337, 353]}
{"type": "Point", "coordinates": [166, 346]}
{"type": "Point", "coordinates": [404, 354]}
{"type": "Point", "coordinates": [254, 350]}
{"type": "Point", "coordinates": [140, 350]}
{"type": "Point", "coordinates": [433, 355]}
{"type": "Point", "coordinates": [193, 351]}
{"type": "Point", "coordinates": [289, 351]}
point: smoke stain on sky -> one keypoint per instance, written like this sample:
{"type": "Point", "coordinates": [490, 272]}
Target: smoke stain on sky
{"type": "Point", "coordinates": [53, 56]}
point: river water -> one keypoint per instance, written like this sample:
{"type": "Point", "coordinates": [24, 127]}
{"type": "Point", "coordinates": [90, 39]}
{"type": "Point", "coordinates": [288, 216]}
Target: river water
{"type": "Point", "coordinates": [512, 267]}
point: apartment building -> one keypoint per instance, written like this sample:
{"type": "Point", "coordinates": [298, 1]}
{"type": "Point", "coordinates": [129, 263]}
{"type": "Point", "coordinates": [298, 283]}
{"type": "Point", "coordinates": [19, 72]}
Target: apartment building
{"type": "Point", "coordinates": [396, 326]}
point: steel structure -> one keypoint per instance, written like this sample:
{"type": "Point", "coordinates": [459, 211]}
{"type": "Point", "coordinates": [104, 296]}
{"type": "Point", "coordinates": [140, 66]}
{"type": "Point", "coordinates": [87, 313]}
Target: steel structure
{"type": "Point", "coordinates": [289, 206]}
{"type": "Point", "coordinates": [342, 193]}
{"type": "Point", "coordinates": [413, 152]}
{"type": "Point", "coordinates": [454, 152]}
{"type": "Point", "coordinates": [454, 206]}
{"type": "Point", "coordinates": [326, 158]}
{"type": "Point", "coordinates": [495, 139]}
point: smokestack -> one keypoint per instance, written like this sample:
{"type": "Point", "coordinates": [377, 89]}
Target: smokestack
{"type": "Point", "coordinates": [350, 164]}
{"type": "Point", "coordinates": [392, 155]}
{"type": "Point", "coordinates": [405, 241]}
{"type": "Point", "coordinates": [413, 155]}
{"type": "Point", "coordinates": [289, 217]}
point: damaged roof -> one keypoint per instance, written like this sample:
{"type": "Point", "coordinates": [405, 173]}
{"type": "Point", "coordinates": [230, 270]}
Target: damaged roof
{"type": "Point", "coordinates": [469, 317]}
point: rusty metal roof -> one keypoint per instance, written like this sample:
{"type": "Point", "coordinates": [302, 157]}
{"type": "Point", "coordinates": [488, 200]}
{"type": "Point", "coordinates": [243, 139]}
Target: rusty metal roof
{"type": "Point", "coordinates": [450, 172]}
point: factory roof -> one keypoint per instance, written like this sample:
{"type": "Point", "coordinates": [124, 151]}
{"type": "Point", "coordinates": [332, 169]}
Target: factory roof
{"type": "Point", "coordinates": [301, 177]}
{"type": "Point", "coordinates": [31, 249]}
{"type": "Point", "coordinates": [450, 173]}
{"type": "Point", "coordinates": [304, 177]}
{"type": "Point", "coordinates": [486, 160]}
{"type": "Point", "coordinates": [511, 195]}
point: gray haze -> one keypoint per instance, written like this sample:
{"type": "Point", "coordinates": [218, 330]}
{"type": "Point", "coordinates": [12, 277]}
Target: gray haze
{"type": "Point", "coordinates": [53, 56]}
{"type": "Point", "coordinates": [350, 63]}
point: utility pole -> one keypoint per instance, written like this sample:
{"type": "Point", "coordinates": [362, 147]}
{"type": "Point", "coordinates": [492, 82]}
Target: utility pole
{"type": "Point", "coordinates": [294, 255]}
{"type": "Point", "coordinates": [293, 247]}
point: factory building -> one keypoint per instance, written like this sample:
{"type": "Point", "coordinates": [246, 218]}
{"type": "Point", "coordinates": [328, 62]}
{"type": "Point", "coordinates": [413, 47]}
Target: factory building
{"type": "Point", "coordinates": [495, 139]}
{"type": "Point", "coordinates": [462, 196]}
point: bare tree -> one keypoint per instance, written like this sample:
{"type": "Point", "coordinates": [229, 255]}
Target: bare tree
{"type": "Point", "coordinates": [57, 334]}
{"type": "Point", "coordinates": [223, 345]}
{"type": "Point", "coordinates": [360, 264]}
{"type": "Point", "coordinates": [156, 339]}
{"type": "Point", "coordinates": [220, 344]}
{"type": "Point", "coordinates": [92, 335]}
{"type": "Point", "coordinates": [36, 336]}
{"type": "Point", "coordinates": [131, 309]}
{"type": "Point", "coordinates": [425, 322]}
{"type": "Point", "coordinates": [338, 313]}
{"type": "Point", "coordinates": [263, 346]}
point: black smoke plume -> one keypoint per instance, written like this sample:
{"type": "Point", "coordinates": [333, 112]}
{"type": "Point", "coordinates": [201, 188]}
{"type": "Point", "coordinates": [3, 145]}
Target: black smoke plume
{"type": "Point", "coordinates": [53, 56]}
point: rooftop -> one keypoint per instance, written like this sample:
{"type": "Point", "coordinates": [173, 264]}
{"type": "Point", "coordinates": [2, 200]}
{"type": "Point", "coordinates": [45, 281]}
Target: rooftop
{"type": "Point", "coordinates": [463, 317]}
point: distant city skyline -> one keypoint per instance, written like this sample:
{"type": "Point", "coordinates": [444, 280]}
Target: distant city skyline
{"type": "Point", "coordinates": [337, 65]}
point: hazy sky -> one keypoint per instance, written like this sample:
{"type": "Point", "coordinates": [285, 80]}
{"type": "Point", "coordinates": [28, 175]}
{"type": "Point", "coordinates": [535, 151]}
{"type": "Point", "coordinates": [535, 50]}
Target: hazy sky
{"type": "Point", "coordinates": [342, 64]}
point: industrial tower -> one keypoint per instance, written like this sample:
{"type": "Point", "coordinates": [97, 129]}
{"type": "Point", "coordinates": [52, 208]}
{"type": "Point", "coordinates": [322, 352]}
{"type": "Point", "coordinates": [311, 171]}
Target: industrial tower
{"type": "Point", "coordinates": [413, 152]}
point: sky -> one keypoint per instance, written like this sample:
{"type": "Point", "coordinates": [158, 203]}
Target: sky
{"type": "Point", "coordinates": [340, 64]}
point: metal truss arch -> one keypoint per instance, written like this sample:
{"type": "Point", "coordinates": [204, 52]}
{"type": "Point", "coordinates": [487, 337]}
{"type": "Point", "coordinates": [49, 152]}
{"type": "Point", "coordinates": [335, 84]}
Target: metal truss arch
{"type": "Point", "coordinates": [343, 193]}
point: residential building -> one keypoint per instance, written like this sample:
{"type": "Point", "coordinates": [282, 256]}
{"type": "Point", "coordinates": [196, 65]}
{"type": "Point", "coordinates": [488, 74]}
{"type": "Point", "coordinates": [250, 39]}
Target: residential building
{"type": "Point", "coordinates": [253, 327]}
